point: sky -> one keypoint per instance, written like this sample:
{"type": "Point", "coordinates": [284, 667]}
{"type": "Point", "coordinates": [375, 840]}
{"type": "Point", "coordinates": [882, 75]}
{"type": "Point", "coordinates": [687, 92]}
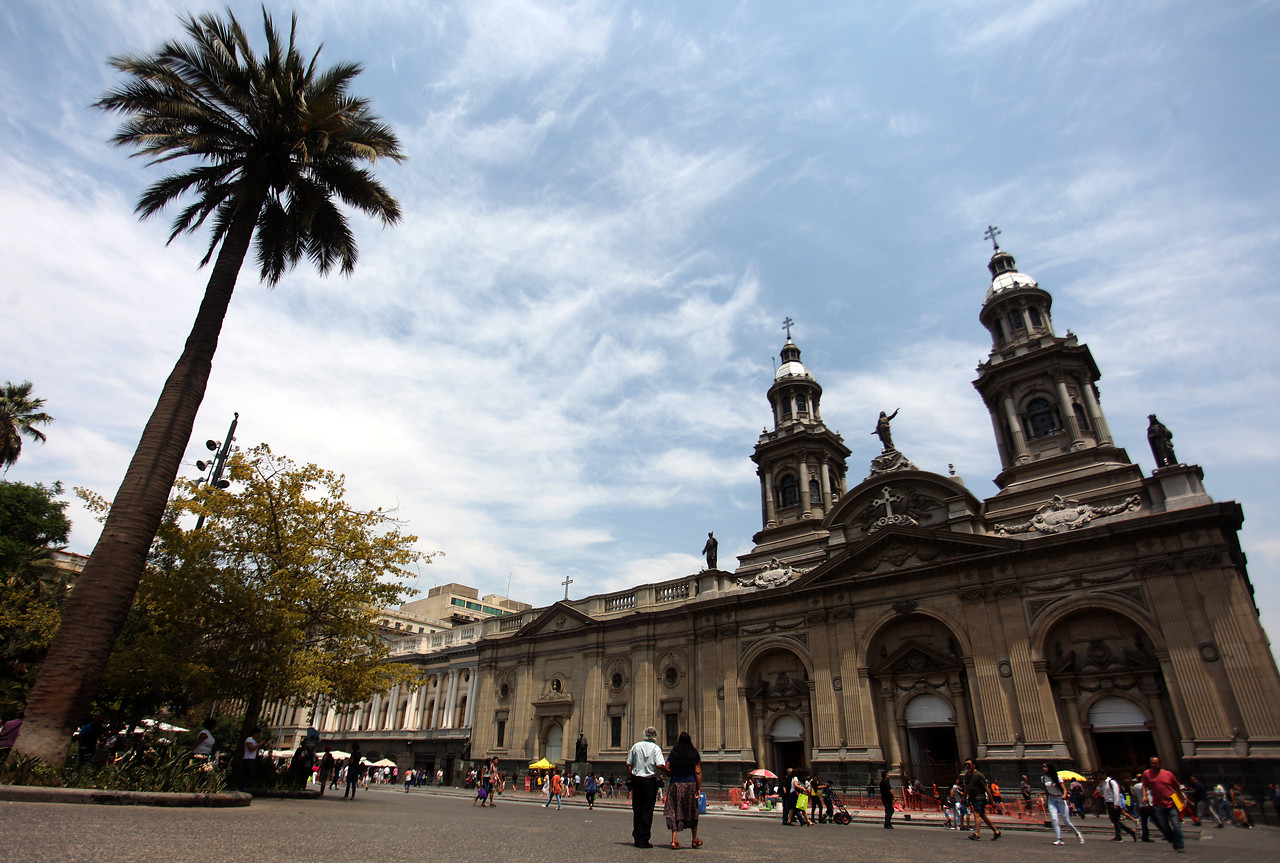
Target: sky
{"type": "Point", "coordinates": [555, 366]}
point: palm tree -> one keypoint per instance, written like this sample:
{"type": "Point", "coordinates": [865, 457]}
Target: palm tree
{"type": "Point", "coordinates": [275, 141]}
{"type": "Point", "coordinates": [19, 415]}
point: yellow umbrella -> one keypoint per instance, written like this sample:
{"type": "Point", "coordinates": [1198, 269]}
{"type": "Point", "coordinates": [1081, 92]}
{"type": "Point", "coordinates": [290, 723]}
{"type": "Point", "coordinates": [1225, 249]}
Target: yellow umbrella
{"type": "Point", "coordinates": [541, 764]}
{"type": "Point", "coordinates": [1071, 774]}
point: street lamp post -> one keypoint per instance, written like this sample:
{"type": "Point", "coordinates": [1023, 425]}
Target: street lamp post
{"type": "Point", "coordinates": [215, 480]}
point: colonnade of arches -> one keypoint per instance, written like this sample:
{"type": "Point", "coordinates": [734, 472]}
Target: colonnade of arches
{"type": "Point", "coordinates": [1099, 664]}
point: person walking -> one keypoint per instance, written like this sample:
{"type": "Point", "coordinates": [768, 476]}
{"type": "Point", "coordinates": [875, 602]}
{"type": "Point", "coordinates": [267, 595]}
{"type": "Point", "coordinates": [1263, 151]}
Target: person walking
{"type": "Point", "coordinates": [202, 752]}
{"type": "Point", "coordinates": [249, 759]}
{"type": "Point", "coordinates": [326, 769]}
{"type": "Point", "coordinates": [1057, 804]}
{"type": "Point", "coordinates": [886, 798]}
{"type": "Point", "coordinates": [557, 790]}
{"type": "Point", "coordinates": [1162, 785]}
{"type": "Point", "coordinates": [1142, 805]}
{"type": "Point", "coordinates": [354, 769]}
{"type": "Point", "coordinates": [975, 789]}
{"type": "Point", "coordinates": [1113, 799]}
{"type": "Point", "coordinates": [684, 768]}
{"type": "Point", "coordinates": [590, 788]}
{"type": "Point", "coordinates": [643, 763]}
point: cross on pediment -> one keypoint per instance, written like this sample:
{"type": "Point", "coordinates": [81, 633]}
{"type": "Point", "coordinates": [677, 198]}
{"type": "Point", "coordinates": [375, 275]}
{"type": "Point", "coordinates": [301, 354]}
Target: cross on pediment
{"type": "Point", "coordinates": [887, 499]}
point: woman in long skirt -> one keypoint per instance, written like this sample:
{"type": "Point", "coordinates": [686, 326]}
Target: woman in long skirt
{"type": "Point", "coordinates": [684, 767]}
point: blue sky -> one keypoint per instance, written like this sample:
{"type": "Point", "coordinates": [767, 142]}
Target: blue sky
{"type": "Point", "coordinates": [557, 364]}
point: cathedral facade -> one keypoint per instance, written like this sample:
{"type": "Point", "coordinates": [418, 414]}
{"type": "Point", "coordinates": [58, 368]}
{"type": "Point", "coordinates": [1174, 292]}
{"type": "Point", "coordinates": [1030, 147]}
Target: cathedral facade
{"type": "Point", "coordinates": [1086, 613]}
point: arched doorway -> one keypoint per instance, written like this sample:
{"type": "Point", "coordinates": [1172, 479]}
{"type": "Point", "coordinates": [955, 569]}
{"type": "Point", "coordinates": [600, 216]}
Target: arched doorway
{"type": "Point", "coordinates": [1098, 650]}
{"type": "Point", "coordinates": [787, 738]}
{"type": "Point", "coordinates": [922, 712]}
{"type": "Point", "coordinates": [778, 697]}
{"type": "Point", "coordinates": [554, 743]}
{"type": "Point", "coordinates": [1121, 735]}
{"type": "Point", "coordinates": [932, 754]}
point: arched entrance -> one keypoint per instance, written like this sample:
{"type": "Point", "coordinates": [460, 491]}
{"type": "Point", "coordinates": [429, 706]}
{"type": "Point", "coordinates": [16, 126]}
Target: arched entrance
{"type": "Point", "coordinates": [1121, 735]}
{"type": "Point", "coordinates": [922, 711]}
{"type": "Point", "coordinates": [932, 754]}
{"type": "Point", "coordinates": [1098, 650]}
{"type": "Point", "coordinates": [778, 698]}
{"type": "Point", "coordinates": [787, 738]}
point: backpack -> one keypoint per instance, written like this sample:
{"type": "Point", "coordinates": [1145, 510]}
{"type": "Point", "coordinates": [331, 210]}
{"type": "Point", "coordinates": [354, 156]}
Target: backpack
{"type": "Point", "coordinates": [591, 787]}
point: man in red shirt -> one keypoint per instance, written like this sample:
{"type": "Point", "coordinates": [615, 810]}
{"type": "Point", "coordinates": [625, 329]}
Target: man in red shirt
{"type": "Point", "coordinates": [1161, 785]}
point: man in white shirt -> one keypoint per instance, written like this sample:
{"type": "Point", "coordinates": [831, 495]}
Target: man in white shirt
{"type": "Point", "coordinates": [1113, 796]}
{"type": "Point", "coordinates": [643, 762]}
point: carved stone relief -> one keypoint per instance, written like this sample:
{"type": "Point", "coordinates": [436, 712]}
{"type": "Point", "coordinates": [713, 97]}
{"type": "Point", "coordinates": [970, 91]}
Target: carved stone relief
{"type": "Point", "coordinates": [1061, 514]}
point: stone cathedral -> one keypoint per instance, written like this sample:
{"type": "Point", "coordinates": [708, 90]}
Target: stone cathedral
{"type": "Point", "coordinates": [1085, 613]}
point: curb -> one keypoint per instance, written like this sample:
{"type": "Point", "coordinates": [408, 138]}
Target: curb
{"type": "Point", "coordinates": [101, 797]}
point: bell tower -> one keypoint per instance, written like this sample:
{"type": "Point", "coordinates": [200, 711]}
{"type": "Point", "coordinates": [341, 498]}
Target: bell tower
{"type": "Point", "coordinates": [1041, 391]}
{"type": "Point", "coordinates": [801, 462]}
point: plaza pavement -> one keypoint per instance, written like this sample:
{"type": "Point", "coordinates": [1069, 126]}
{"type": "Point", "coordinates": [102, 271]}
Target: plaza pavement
{"type": "Point", "coordinates": [386, 825]}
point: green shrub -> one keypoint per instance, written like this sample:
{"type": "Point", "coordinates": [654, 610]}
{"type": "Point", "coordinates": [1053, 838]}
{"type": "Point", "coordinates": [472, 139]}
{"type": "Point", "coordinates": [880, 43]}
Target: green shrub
{"type": "Point", "coordinates": [141, 771]}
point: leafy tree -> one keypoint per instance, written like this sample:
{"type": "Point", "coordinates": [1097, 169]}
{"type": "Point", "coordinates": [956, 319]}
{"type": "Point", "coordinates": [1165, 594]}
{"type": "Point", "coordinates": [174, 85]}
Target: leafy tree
{"type": "Point", "coordinates": [32, 588]}
{"type": "Point", "coordinates": [19, 415]}
{"type": "Point", "coordinates": [274, 598]}
{"type": "Point", "coordinates": [275, 140]}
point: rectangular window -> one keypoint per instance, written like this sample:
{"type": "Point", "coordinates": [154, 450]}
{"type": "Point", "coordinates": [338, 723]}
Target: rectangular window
{"type": "Point", "coordinates": [1035, 316]}
{"type": "Point", "coordinates": [615, 732]}
{"type": "Point", "coordinates": [673, 728]}
{"type": "Point", "coordinates": [1016, 321]}
{"type": "Point", "coordinates": [502, 733]}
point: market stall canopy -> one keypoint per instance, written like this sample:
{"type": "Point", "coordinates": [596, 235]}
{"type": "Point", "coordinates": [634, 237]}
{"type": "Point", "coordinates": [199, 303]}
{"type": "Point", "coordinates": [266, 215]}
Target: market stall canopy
{"type": "Point", "coordinates": [163, 726]}
{"type": "Point", "coordinates": [386, 762]}
{"type": "Point", "coordinates": [541, 764]}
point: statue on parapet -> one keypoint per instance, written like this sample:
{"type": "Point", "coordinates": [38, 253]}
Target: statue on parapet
{"type": "Point", "coordinates": [1161, 440]}
{"type": "Point", "coordinates": [883, 431]}
{"type": "Point", "coordinates": [711, 550]}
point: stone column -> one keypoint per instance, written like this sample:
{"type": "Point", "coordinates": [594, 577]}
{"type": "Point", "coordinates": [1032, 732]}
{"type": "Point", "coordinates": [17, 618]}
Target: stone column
{"type": "Point", "coordinates": [1071, 715]}
{"type": "Point", "coordinates": [770, 509]}
{"type": "Point", "coordinates": [892, 749]}
{"type": "Point", "coordinates": [824, 477]}
{"type": "Point", "coordinates": [805, 507]}
{"type": "Point", "coordinates": [965, 744]}
{"type": "Point", "coordinates": [1020, 453]}
{"type": "Point", "coordinates": [1095, 415]}
{"type": "Point", "coordinates": [446, 715]}
{"type": "Point", "coordinates": [469, 719]}
{"type": "Point", "coordinates": [1001, 446]}
{"type": "Point", "coordinates": [1068, 414]}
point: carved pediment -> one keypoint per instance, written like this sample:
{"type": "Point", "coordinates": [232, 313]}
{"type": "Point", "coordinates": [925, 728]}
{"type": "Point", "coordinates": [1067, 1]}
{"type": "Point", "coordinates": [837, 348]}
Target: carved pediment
{"type": "Point", "coordinates": [560, 617]}
{"type": "Point", "coordinates": [905, 547]}
{"type": "Point", "coordinates": [912, 658]}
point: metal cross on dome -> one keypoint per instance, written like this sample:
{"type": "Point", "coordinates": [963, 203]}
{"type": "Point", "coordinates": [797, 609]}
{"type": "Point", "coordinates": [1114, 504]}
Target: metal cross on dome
{"type": "Point", "coordinates": [787, 325]}
{"type": "Point", "coordinates": [991, 234]}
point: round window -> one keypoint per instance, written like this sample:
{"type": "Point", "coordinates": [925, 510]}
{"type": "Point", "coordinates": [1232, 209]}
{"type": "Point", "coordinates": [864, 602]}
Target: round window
{"type": "Point", "coordinates": [504, 691]}
{"type": "Point", "coordinates": [616, 680]}
{"type": "Point", "coordinates": [555, 685]}
{"type": "Point", "coordinates": [672, 676]}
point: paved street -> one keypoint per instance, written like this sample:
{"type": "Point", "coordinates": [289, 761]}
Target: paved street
{"type": "Point", "coordinates": [383, 826]}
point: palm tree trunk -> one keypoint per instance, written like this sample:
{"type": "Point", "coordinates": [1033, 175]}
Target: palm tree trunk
{"type": "Point", "coordinates": [104, 591]}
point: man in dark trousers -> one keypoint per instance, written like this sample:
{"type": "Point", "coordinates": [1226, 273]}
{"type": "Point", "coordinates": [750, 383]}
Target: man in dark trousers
{"type": "Point", "coordinates": [886, 797]}
{"type": "Point", "coordinates": [643, 762]}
